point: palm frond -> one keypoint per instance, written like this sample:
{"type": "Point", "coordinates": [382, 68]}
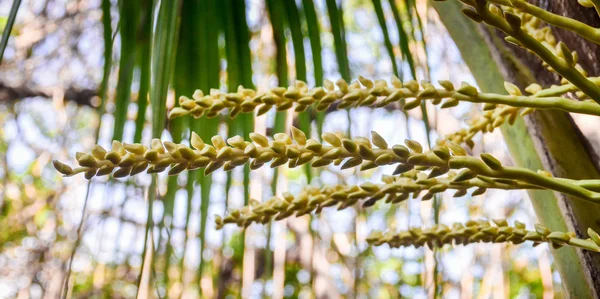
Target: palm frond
{"type": "Point", "coordinates": [12, 16]}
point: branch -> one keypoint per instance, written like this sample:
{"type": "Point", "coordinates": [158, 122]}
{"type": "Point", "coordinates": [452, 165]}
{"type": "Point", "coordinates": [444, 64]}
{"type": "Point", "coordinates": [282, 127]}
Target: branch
{"type": "Point", "coordinates": [9, 94]}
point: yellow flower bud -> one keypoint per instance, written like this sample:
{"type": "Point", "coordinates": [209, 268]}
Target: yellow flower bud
{"type": "Point", "coordinates": [113, 157]}
{"type": "Point", "coordinates": [332, 139]}
{"type": "Point", "coordinates": [225, 153]}
{"type": "Point", "coordinates": [512, 89]}
{"type": "Point", "coordinates": [218, 142]}
{"type": "Point", "coordinates": [298, 136]}
{"type": "Point", "coordinates": [87, 161]}
{"type": "Point", "coordinates": [122, 172]}
{"type": "Point", "coordinates": [413, 145]}
{"type": "Point", "coordinates": [384, 159]}
{"type": "Point", "coordinates": [237, 142]}
{"type": "Point", "coordinates": [378, 141]}
{"type": "Point", "coordinates": [313, 145]}
{"type": "Point", "coordinates": [259, 139]}
{"type": "Point", "coordinates": [98, 152]}
{"type": "Point", "coordinates": [62, 168]}
{"type": "Point", "coordinates": [105, 170]}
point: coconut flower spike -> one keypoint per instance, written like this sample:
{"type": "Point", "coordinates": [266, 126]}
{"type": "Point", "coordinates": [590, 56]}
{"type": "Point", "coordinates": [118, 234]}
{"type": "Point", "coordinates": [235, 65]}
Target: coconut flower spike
{"type": "Point", "coordinates": [295, 150]}
{"type": "Point", "coordinates": [482, 231]}
{"type": "Point", "coordinates": [393, 190]}
{"type": "Point", "coordinates": [130, 159]}
{"type": "Point", "coordinates": [367, 93]}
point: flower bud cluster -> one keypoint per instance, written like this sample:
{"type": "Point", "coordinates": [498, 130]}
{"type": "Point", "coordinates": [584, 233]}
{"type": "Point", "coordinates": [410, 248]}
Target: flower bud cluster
{"type": "Point", "coordinates": [487, 122]}
{"type": "Point", "coordinates": [523, 29]}
{"type": "Point", "coordinates": [364, 92]}
{"type": "Point", "coordinates": [535, 27]}
{"type": "Point", "coordinates": [295, 150]}
{"type": "Point", "coordinates": [482, 231]}
{"type": "Point", "coordinates": [532, 25]}
{"type": "Point", "coordinates": [394, 189]}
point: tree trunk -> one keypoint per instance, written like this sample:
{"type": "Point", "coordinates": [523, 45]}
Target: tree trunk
{"type": "Point", "coordinates": [544, 139]}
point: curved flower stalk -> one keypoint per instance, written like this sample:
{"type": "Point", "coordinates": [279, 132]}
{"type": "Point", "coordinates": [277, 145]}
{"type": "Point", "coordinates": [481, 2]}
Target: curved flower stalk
{"type": "Point", "coordinates": [131, 159]}
{"type": "Point", "coordinates": [482, 231]}
{"type": "Point", "coordinates": [511, 24]}
{"type": "Point", "coordinates": [586, 31]}
{"type": "Point", "coordinates": [543, 34]}
{"type": "Point", "coordinates": [559, 90]}
{"type": "Point", "coordinates": [366, 93]}
{"type": "Point", "coordinates": [591, 3]}
{"type": "Point", "coordinates": [394, 189]}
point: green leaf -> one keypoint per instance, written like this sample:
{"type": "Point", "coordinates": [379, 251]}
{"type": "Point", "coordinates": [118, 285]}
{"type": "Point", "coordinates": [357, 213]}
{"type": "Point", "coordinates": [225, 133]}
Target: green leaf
{"type": "Point", "coordinates": [129, 12]}
{"type": "Point", "coordinates": [143, 55]}
{"type": "Point", "coordinates": [339, 38]}
{"type": "Point", "coordinates": [239, 72]}
{"type": "Point", "coordinates": [177, 127]}
{"type": "Point", "coordinates": [246, 121]}
{"type": "Point", "coordinates": [411, 9]}
{"type": "Point", "coordinates": [403, 40]}
{"type": "Point", "coordinates": [293, 20]}
{"type": "Point", "coordinates": [276, 13]}
{"type": "Point", "coordinates": [404, 48]}
{"type": "Point", "coordinates": [336, 20]}
{"type": "Point", "coordinates": [108, 45]}
{"type": "Point", "coordinates": [163, 54]}
{"type": "Point", "coordinates": [314, 35]}
{"type": "Point", "coordinates": [386, 35]}
{"type": "Point", "coordinates": [198, 68]}
{"type": "Point", "coordinates": [9, 25]}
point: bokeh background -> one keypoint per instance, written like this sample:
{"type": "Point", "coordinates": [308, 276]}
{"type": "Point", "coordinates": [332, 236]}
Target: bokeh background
{"type": "Point", "coordinates": [76, 73]}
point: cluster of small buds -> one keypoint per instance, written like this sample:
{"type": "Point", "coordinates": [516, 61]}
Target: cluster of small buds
{"type": "Point", "coordinates": [363, 92]}
{"type": "Point", "coordinates": [521, 22]}
{"type": "Point", "coordinates": [494, 116]}
{"type": "Point", "coordinates": [296, 150]}
{"type": "Point", "coordinates": [394, 189]}
{"type": "Point", "coordinates": [486, 122]}
{"type": "Point", "coordinates": [482, 231]}
{"type": "Point", "coordinates": [543, 34]}
{"type": "Point", "coordinates": [530, 24]}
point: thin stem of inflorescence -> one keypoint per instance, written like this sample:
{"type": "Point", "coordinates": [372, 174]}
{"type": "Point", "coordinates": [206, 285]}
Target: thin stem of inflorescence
{"type": "Point", "coordinates": [482, 231]}
{"type": "Point", "coordinates": [511, 25]}
{"type": "Point", "coordinates": [586, 31]}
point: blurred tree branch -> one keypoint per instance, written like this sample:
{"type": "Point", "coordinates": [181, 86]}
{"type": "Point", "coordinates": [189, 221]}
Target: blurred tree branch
{"type": "Point", "coordinates": [83, 97]}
